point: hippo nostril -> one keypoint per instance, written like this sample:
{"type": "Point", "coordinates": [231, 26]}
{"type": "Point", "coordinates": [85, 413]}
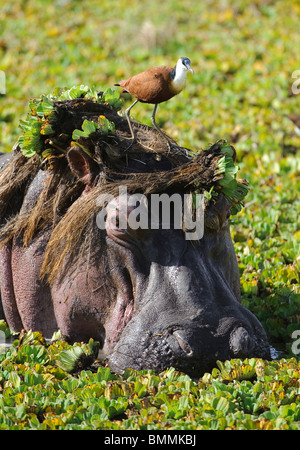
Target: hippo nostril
{"type": "Point", "coordinates": [240, 342]}
{"type": "Point", "coordinates": [181, 339]}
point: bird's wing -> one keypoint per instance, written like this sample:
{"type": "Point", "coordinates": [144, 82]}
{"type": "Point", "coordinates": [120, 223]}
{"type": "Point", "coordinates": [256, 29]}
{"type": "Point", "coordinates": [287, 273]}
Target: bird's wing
{"type": "Point", "coordinates": [148, 85]}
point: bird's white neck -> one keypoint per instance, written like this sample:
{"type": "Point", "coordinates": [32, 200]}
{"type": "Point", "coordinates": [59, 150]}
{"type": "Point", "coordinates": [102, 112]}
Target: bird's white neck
{"type": "Point", "coordinates": [179, 78]}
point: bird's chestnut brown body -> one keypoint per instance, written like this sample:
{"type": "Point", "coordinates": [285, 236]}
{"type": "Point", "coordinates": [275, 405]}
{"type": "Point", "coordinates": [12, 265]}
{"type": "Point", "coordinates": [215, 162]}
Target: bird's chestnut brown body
{"type": "Point", "coordinates": [151, 86]}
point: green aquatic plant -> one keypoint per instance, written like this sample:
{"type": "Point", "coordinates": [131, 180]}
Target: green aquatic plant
{"type": "Point", "coordinates": [103, 126]}
{"type": "Point", "coordinates": [225, 179]}
{"type": "Point", "coordinates": [55, 385]}
{"type": "Point", "coordinates": [40, 122]}
{"type": "Point", "coordinates": [77, 357]}
{"type": "Point", "coordinates": [235, 190]}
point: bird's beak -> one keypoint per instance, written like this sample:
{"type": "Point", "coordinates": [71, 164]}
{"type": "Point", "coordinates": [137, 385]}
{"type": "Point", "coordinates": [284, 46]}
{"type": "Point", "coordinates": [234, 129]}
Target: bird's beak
{"type": "Point", "coordinates": [188, 66]}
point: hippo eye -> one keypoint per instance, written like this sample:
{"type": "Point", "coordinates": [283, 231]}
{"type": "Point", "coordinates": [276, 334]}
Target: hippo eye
{"type": "Point", "coordinates": [120, 229]}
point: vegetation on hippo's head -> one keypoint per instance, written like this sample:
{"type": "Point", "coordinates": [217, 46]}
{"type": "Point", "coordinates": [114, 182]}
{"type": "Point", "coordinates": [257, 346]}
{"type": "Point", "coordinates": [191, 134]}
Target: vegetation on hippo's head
{"type": "Point", "coordinates": [89, 127]}
{"type": "Point", "coordinates": [40, 133]}
{"type": "Point", "coordinates": [234, 189]}
{"type": "Point", "coordinates": [39, 126]}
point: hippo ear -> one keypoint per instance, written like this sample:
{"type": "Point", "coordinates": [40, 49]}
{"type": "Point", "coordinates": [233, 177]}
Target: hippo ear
{"type": "Point", "coordinates": [82, 165]}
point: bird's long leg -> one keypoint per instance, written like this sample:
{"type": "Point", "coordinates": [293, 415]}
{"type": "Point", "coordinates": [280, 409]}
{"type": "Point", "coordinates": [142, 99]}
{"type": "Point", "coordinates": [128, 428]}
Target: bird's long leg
{"type": "Point", "coordinates": [157, 127]}
{"type": "Point", "coordinates": [128, 120]}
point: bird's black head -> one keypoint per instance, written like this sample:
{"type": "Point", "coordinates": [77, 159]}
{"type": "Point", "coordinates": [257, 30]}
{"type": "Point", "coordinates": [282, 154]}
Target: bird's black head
{"type": "Point", "coordinates": [185, 64]}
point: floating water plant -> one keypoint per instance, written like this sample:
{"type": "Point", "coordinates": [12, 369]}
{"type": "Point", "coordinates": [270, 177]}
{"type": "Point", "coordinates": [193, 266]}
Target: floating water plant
{"type": "Point", "coordinates": [39, 125]}
{"type": "Point", "coordinates": [78, 357]}
{"type": "Point", "coordinates": [55, 386]}
{"type": "Point", "coordinates": [234, 189]}
{"type": "Point", "coordinates": [89, 127]}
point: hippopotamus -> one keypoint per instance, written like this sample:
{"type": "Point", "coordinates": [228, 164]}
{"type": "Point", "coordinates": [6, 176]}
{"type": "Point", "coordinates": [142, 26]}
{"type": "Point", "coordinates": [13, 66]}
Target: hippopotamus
{"type": "Point", "coordinates": [152, 298]}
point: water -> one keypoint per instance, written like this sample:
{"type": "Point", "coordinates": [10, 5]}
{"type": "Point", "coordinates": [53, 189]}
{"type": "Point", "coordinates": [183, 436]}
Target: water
{"type": "Point", "coordinates": [275, 354]}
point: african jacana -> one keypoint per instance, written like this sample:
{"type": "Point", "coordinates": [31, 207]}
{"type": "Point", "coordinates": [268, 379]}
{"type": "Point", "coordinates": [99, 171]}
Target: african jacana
{"type": "Point", "coordinates": [156, 85]}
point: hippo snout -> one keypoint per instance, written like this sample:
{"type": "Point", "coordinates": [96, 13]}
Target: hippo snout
{"type": "Point", "coordinates": [192, 348]}
{"type": "Point", "coordinates": [197, 344]}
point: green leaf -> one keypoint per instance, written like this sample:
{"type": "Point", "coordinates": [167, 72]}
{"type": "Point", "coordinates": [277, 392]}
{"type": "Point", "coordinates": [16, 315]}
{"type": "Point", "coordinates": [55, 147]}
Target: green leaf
{"type": "Point", "coordinates": [32, 337]}
{"type": "Point", "coordinates": [32, 354]}
{"type": "Point", "coordinates": [78, 134]}
{"type": "Point", "coordinates": [233, 189]}
{"type": "Point", "coordinates": [88, 127]}
{"type": "Point", "coordinates": [46, 129]}
{"type": "Point", "coordinates": [81, 91]}
{"type": "Point", "coordinates": [21, 412]}
{"type": "Point", "coordinates": [5, 329]}
{"type": "Point", "coordinates": [183, 402]}
{"type": "Point", "coordinates": [93, 347]}
{"type": "Point", "coordinates": [56, 336]}
{"type": "Point", "coordinates": [68, 359]}
{"type": "Point", "coordinates": [15, 379]}
{"type": "Point", "coordinates": [112, 97]}
{"type": "Point", "coordinates": [105, 125]}
{"type": "Point", "coordinates": [44, 107]}
{"type": "Point", "coordinates": [221, 404]}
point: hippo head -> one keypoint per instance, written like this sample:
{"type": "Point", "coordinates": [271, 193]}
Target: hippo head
{"type": "Point", "coordinates": [170, 301]}
{"type": "Point", "coordinates": [179, 301]}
